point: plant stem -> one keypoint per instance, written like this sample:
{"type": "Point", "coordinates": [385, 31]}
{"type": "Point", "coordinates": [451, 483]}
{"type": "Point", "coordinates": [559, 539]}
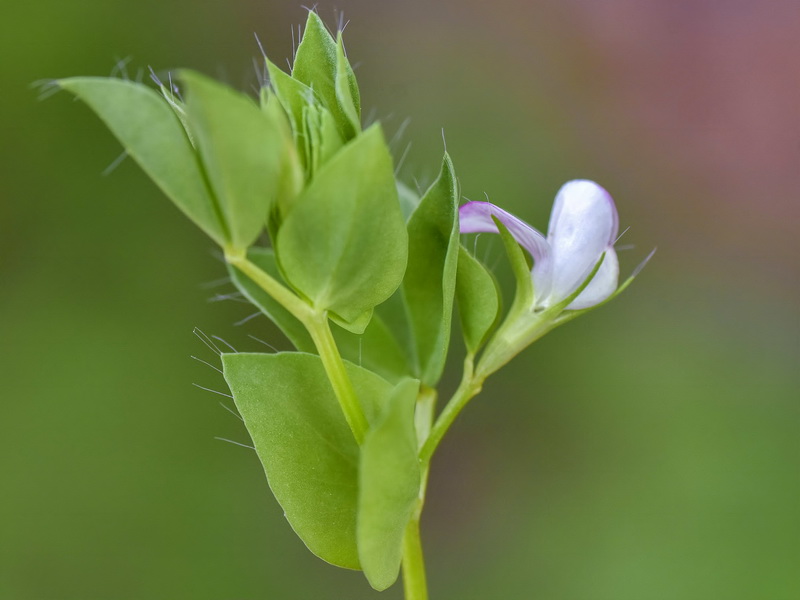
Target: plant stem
{"type": "Point", "coordinates": [414, 581]}
{"type": "Point", "coordinates": [469, 387]}
{"type": "Point", "coordinates": [317, 325]}
{"type": "Point", "coordinates": [320, 332]}
{"type": "Point", "coordinates": [299, 309]}
{"type": "Point", "coordinates": [424, 413]}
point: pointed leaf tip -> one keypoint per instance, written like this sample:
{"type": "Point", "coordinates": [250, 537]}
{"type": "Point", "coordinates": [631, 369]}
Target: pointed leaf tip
{"type": "Point", "coordinates": [430, 280]}
{"type": "Point", "coordinates": [317, 65]}
{"type": "Point", "coordinates": [348, 97]}
{"type": "Point", "coordinates": [153, 135]}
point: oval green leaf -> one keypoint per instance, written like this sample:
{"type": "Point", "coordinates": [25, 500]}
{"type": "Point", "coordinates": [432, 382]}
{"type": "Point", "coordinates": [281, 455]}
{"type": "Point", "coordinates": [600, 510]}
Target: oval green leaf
{"type": "Point", "coordinates": [293, 95]}
{"type": "Point", "coordinates": [316, 65]}
{"type": "Point", "coordinates": [292, 178]}
{"type": "Point", "coordinates": [389, 482]}
{"type": "Point", "coordinates": [430, 280]}
{"type": "Point", "coordinates": [153, 135]}
{"type": "Point", "coordinates": [344, 243]}
{"type": "Point", "coordinates": [242, 149]}
{"type": "Point", "coordinates": [301, 437]}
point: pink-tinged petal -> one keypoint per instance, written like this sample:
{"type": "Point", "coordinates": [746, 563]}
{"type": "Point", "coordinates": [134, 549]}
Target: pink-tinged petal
{"type": "Point", "coordinates": [476, 217]}
{"type": "Point", "coordinates": [602, 284]}
{"type": "Point", "coordinates": [583, 224]}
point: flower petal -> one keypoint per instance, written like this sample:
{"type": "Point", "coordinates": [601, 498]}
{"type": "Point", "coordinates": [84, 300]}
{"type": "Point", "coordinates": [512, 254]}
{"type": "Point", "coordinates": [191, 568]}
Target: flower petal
{"type": "Point", "coordinates": [476, 217]}
{"type": "Point", "coordinates": [583, 224]}
{"type": "Point", "coordinates": [602, 284]}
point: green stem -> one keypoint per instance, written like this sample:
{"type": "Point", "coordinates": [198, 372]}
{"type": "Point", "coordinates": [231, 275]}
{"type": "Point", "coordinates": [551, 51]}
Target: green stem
{"type": "Point", "coordinates": [469, 387]}
{"type": "Point", "coordinates": [320, 332]}
{"type": "Point", "coordinates": [299, 309]}
{"type": "Point", "coordinates": [317, 325]}
{"type": "Point", "coordinates": [413, 562]}
{"type": "Point", "coordinates": [424, 413]}
{"type": "Point", "coordinates": [414, 581]}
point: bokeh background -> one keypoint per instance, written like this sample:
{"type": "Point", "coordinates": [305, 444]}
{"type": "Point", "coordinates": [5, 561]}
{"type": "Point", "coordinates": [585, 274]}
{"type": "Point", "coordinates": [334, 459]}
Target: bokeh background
{"type": "Point", "coordinates": [649, 451]}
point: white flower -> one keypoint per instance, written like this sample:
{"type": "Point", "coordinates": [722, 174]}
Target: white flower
{"type": "Point", "coordinates": [583, 227]}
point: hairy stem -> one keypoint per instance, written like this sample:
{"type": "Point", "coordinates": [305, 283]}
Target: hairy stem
{"type": "Point", "coordinates": [318, 327]}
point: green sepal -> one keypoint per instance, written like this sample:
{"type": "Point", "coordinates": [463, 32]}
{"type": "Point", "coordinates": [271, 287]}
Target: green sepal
{"type": "Point", "coordinates": [294, 330]}
{"type": "Point", "coordinates": [478, 297]}
{"type": "Point", "coordinates": [430, 280]}
{"type": "Point", "coordinates": [304, 443]}
{"type": "Point", "coordinates": [344, 243]}
{"type": "Point", "coordinates": [153, 135]}
{"type": "Point", "coordinates": [523, 298]}
{"type": "Point", "coordinates": [389, 485]}
{"type": "Point", "coordinates": [242, 150]}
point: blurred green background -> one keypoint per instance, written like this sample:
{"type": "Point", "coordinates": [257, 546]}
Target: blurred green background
{"type": "Point", "coordinates": [648, 451]}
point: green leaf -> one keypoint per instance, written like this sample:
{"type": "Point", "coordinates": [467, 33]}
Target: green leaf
{"type": "Point", "coordinates": [347, 94]}
{"type": "Point", "coordinates": [315, 65]}
{"type": "Point", "coordinates": [301, 437]}
{"type": "Point", "coordinates": [392, 334]}
{"type": "Point", "coordinates": [389, 485]}
{"type": "Point", "coordinates": [377, 349]}
{"type": "Point", "coordinates": [293, 95]}
{"type": "Point", "coordinates": [294, 330]}
{"type": "Point", "coordinates": [523, 297]}
{"type": "Point", "coordinates": [292, 177]}
{"type": "Point", "coordinates": [315, 60]}
{"type": "Point", "coordinates": [344, 243]}
{"type": "Point", "coordinates": [394, 313]}
{"type": "Point", "coordinates": [430, 280]}
{"type": "Point", "coordinates": [242, 149]}
{"type": "Point", "coordinates": [177, 106]}
{"type": "Point", "coordinates": [478, 300]}
{"type": "Point", "coordinates": [322, 137]}
{"type": "Point", "coordinates": [152, 134]}
{"type": "Point", "coordinates": [356, 324]}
